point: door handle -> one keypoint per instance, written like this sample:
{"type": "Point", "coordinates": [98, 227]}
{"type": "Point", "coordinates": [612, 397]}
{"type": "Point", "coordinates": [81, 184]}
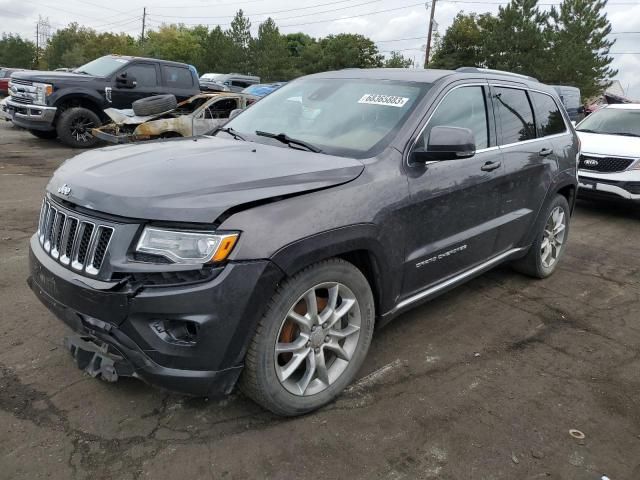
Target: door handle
{"type": "Point", "coordinates": [489, 166]}
{"type": "Point", "coordinates": [545, 152]}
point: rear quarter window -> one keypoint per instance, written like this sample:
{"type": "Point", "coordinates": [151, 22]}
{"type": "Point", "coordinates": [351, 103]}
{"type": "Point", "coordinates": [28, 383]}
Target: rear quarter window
{"type": "Point", "coordinates": [549, 120]}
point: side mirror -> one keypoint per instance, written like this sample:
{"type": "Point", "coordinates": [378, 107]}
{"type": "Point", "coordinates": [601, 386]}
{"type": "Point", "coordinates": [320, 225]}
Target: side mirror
{"type": "Point", "coordinates": [234, 113]}
{"type": "Point", "coordinates": [446, 143]}
{"type": "Point", "coordinates": [580, 109]}
{"type": "Point", "coordinates": [126, 81]}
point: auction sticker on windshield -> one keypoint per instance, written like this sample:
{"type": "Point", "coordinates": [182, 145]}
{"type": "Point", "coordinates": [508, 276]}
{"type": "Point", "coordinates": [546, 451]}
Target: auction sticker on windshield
{"type": "Point", "coordinates": [386, 100]}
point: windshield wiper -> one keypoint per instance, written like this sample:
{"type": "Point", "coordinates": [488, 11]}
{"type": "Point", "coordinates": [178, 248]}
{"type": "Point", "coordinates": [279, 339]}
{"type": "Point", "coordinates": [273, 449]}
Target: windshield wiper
{"type": "Point", "coordinates": [284, 138]}
{"type": "Point", "coordinates": [625, 134]}
{"type": "Point", "coordinates": [586, 130]}
{"type": "Point", "coordinates": [231, 132]}
{"type": "Point", "coordinates": [81, 72]}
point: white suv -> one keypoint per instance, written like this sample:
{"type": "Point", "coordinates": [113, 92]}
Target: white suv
{"type": "Point", "coordinates": [610, 156]}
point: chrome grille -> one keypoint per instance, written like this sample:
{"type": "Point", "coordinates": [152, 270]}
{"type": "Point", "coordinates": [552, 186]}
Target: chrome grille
{"type": "Point", "coordinates": [23, 100]}
{"type": "Point", "coordinates": [78, 243]}
{"type": "Point", "coordinates": [21, 82]}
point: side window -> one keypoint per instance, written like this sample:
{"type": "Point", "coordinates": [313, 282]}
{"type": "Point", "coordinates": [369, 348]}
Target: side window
{"type": "Point", "coordinates": [548, 117]}
{"type": "Point", "coordinates": [514, 115]}
{"type": "Point", "coordinates": [463, 107]}
{"type": "Point", "coordinates": [177, 77]}
{"type": "Point", "coordinates": [145, 74]}
{"type": "Point", "coordinates": [240, 83]}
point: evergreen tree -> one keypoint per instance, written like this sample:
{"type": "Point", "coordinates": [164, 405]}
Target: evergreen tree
{"type": "Point", "coordinates": [240, 35]}
{"type": "Point", "coordinates": [580, 47]}
{"type": "Point", "coordinates": [516, 41]}
{"type": "Point", "coordinates": [270, 53]}
{"type": "Point", "coordinates": [463, 43]}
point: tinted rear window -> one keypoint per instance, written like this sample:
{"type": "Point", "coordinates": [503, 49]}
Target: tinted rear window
{"type": "Point", "coordinates": [514, 115]}
{"type": "Point", "coordinates": [548, 117]}
{"type": "Point", "coordinates": [177, 77]}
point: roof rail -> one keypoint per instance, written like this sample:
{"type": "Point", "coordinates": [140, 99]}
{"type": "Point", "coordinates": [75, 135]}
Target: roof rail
{"type": "Point", "coordinates": [495, 72]}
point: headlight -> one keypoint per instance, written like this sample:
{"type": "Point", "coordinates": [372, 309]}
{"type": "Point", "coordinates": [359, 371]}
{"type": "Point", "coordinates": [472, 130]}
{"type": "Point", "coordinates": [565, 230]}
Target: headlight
{"type": "Point", "coordinates": [187, 247]}
{"type": "Point", "coordinates": [43, 90]}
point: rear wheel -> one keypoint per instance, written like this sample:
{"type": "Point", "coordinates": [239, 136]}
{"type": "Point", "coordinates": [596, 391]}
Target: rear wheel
{"type": "Point", "coordinates": [48, 135]}
{"type": "Point", "coordinates": [74, 127]}
{"type": "Point", "coordinates": [312, 340]}
{"type": "Point", "coordinates": [551, 239]}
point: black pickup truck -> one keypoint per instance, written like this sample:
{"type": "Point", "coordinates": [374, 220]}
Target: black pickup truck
{"type": "Point", "coordinates": [68, 105]}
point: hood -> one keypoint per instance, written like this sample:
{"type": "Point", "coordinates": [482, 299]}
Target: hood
{"type": "Point", "coordinates": [611, 145]}
{"type": "Point", "coordinates": [52, 77]}
{"type": "Point", "coordinates": [193, 180]}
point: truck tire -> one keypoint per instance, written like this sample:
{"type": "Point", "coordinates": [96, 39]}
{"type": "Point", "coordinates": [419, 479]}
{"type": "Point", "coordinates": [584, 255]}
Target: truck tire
{"type": "Point", "coordinates": [45, 135]}
{"type": "Point", "coordinates": [74, 127]}
{"type": "Point", "coordinates": [154, 105]}
{"type": "Point", "coordinates": [312, 339]}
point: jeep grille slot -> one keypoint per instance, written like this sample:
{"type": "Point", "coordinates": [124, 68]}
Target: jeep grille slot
{"type": "Point", "coordinates": [75, 242]}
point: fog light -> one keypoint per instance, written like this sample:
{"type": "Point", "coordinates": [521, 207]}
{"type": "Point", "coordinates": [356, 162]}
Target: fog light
{"type": "Point", "coordinates": [177, 332]}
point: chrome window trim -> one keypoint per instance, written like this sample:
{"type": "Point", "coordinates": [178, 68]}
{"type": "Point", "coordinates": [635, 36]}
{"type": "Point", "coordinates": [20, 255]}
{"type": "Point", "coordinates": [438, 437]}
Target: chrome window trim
{"type": "Point", "coordinates": [526, 89]}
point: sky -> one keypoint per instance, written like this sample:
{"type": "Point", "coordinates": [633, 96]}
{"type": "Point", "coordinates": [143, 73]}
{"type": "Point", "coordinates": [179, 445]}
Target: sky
{"type": "Point", "coordinates": [399, 25]}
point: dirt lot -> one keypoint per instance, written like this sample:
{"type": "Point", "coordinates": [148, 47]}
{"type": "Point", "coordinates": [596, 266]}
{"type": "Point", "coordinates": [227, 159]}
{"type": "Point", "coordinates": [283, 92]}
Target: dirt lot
{"type": "Point", "coordinates": [483, 383]}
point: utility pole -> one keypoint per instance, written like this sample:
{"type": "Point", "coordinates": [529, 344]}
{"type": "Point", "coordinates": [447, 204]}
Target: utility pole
{"type": "Point", "coordinates": [144, 18]}
{"type": "Point", "coordinates": [428, 50]}
{"type": "Point", "coordinates": [37, 43]}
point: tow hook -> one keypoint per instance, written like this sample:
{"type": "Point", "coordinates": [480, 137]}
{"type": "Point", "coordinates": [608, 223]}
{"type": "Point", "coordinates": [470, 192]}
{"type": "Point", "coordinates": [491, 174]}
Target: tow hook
{"type": "Point", "coordinates": [95, 358]}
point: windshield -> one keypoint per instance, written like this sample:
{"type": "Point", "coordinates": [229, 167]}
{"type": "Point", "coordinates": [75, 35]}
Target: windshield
{"type": "Point", "coordinates": [101, 67]}
{"type": "Point", "coordinates": [612, 121]}
{"type": "Point", "coordinates": [347, 117]}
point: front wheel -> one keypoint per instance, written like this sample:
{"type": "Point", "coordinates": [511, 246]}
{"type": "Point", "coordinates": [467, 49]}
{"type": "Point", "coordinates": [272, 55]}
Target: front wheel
{"type": "Point", "coordinates": [550, 242]}
{"type": "Point", "coordinates": [312, 339]}
{"type": "Point", "coordinates": [74, 127]}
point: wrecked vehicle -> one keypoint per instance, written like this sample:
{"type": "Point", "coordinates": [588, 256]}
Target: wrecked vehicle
{"type": "Point", "coordinates": [197, 115]}
{"type": "Point", "coordinates": [263, 255]}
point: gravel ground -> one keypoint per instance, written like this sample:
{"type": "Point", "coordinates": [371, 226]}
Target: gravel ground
{"type": "Point", "coordinates": [482, 383]}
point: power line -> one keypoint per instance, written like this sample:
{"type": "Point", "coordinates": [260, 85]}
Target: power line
{"type": "Point", "coordinates": [284, 11]}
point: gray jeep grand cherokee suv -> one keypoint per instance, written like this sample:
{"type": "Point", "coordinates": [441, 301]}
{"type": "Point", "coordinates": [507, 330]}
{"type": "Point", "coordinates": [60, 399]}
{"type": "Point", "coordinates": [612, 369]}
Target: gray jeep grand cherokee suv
{"type": "Point", "coordinates": [265, 253]}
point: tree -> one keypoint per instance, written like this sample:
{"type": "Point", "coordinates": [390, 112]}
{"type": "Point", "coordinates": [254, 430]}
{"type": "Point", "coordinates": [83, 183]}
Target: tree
{"type": "Point", "coordinates": [16, 52]}
{"type": "Point", "coordinates": [347, 50]}
{"type": "Point", "coordinates": [515, 41]}
{"type": "Point", "coordinates": [240, 35]}
{"type": "Point", "coordinates": [463, 43]}
{"type": "Point", "coordinates": [397, 60]}
{"type": "Point", "coordinates": [270, 53]}
{"type": "Point", "coordinates": [580, 47]}
{"type": "Point", "coordinates": [66, 39]}
{"type": "Point", "coordinates": [217, 54]}
{"type": "Point", "coordinates": [173, 42]}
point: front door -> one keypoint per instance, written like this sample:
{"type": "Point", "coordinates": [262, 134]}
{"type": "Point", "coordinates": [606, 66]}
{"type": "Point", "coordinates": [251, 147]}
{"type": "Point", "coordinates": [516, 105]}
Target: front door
{"type": "Point", "coordinates": [456, 203]}
{"type": "Point", "coordinates": [146, 84]}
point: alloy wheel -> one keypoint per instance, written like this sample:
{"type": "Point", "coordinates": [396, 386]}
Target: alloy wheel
{"type": "Point", "coordinates": [81, 129]}
{"type": "Point", "coordinates": [553, 237]}
{"type": "Point", "coordinates": [317, 339]}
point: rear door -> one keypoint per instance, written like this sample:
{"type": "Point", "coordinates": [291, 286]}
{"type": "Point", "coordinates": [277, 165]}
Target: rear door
{"type": "Point", "coordinates": [455, 203]}
{"type": "Point", "coordinates": [529, 161]}
{"type": "Point", "coordinates": [147, 84]}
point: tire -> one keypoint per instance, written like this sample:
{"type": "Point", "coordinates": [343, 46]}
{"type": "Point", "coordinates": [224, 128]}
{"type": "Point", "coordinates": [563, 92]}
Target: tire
{"type": "Point", "coordinates": [74, 127]}
{"type": "Point", "coordinates": [154, 105]}
{"type": "Point", "coordinates": [534, 264]}
{"type": "Point", "coordinates": [48, 135]}
{"type": "Point", "coordinates": [343, 346]}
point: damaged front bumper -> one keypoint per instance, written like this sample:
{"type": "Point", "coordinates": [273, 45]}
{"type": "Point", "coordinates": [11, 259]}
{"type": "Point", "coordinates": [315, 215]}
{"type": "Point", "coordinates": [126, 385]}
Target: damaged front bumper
{"type": "Point", "coordinates": [118, 329]}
